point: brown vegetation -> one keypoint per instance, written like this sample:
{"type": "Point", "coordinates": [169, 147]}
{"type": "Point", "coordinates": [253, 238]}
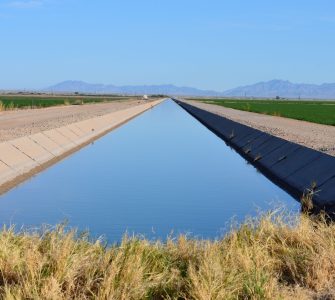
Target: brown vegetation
{"type": "Point", "coordinates": [272, 257]}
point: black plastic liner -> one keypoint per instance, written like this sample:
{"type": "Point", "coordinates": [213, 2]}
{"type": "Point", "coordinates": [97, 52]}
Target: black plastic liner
{"type": "Point", "coordinates": [293, 167]}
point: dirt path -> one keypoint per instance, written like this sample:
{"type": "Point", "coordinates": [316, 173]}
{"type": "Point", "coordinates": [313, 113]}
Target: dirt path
{"type": "Point", "coordinates": [316, 136]}
{"type": "Point", "coordinates": [14, 124]}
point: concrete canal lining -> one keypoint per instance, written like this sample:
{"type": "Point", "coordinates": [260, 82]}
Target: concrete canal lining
{"type": "Point", "coordinates": [21, 158]}
{"type": "Point", "coordinates": [294, 167]}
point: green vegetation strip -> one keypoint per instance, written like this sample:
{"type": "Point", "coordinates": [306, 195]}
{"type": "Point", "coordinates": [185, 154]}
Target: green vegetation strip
{"type": "Point", "coordinates": [14, 102]}
{"type": "Point", "coordinates": [272, 257]}
{"type": "Point", "coordinates": [322, 112]}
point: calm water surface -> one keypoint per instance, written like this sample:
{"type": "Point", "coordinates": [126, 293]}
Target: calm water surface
{"type": "Point", "coordinates": [160, 173]}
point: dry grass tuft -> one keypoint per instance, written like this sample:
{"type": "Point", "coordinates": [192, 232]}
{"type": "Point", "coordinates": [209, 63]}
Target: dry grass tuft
{"type": "Point", "coordinates": [67, 102]}
{"type": "Point", "coordinates": [9, 106]}
{"type": "Point", "coordinates": [271, 257]}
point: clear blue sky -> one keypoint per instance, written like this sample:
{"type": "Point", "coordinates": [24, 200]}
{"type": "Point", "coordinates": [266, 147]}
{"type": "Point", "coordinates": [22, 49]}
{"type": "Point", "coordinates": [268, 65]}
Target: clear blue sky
{"type": "Point", "coordinates": [213, 44]}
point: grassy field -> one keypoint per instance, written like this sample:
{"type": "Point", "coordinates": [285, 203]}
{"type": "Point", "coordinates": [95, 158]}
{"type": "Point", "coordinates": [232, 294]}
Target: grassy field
{"type": "Point", "coordinates": [9, 102]}
{"type": "Point", "coordinates": [271, 257]}
{"type": "Point", "coordinates": [322, 112]}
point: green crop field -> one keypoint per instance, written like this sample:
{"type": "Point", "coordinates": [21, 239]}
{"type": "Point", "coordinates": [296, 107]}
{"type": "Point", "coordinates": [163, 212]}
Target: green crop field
{"type": "Point", "coordinates": [322, 112]}
{"type": "Point", "coordinates": [8, 102]}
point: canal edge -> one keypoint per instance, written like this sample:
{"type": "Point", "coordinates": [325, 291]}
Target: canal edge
{"type": "Point", "coordinates": [295, 168]}
{"type": "Point", "coordinates": [27, 156]}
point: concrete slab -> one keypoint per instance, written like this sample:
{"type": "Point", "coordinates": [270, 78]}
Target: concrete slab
{"type": "Point", "coordinates": [68, 134]}
{"type": "Point", "coordinates": [6, 173]}
{"type": "Point", "coordinates": [32, 149]}
{"type": "Point", "coordinates": [90, 127]}
{"type": "Point", "coordinates": [82, 137]}
{"type": "Point", "coordinates": [101, 123]}
{"type": "Point", "coordinates": [113, 119]}
{"type": "Point", "coordinates": [46, 143]}
{"type": "Point", "coordinates": [76, 130]}
{"type": "Point", "coordinates": [59, 139]}
{"type": "Point", "coordinates": [116, 118]}
{"type": "Point", "coordinates": [15, 159]}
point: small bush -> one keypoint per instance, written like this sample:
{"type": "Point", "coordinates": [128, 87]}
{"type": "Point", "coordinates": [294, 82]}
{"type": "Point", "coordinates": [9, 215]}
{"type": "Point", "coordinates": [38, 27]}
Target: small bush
{"type": "Point", "coordinates": [78, 102]}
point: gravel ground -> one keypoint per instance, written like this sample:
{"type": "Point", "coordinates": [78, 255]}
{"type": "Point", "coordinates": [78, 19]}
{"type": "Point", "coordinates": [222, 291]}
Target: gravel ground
{"type": "Point", "coordinates": [316, 136]}
{"type": "Point", "coordinates": [15, 124]}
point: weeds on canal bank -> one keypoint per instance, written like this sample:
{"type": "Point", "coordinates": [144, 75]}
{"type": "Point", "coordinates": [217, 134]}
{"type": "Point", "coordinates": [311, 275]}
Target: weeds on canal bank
{"type": "Point", "coordinates": [271, 257]}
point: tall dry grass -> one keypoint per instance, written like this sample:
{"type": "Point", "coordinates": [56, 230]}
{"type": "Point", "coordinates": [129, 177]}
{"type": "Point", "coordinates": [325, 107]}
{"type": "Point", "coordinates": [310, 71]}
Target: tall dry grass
{"type": "Point", "coordinates": [67, 102]}
{"type": "Point", "coordinates": [271, 257]}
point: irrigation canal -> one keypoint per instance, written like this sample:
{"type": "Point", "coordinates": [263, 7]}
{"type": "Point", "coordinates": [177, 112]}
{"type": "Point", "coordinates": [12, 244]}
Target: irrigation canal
{"type": "Point", "coordinates": [161, 173]}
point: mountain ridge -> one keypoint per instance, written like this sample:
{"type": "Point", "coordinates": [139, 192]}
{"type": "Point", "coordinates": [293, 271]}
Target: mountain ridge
{"type": "Point", "coordinates": [272, 88]}
{"type": "Point", "coordinates": [284, 88]}
{"type": "Point", "coordinates": [170, 89]}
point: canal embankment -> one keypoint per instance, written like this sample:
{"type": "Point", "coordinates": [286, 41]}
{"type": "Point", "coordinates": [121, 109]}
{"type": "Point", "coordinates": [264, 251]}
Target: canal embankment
{"type": "Point", "coordinates": [316, 136]}
{"type": "Point", "coordinates": [18, 123]}
{"type": "Point", "coordinates": [300, 170]}
{"type": "Point", "coordinates": [22, 157]}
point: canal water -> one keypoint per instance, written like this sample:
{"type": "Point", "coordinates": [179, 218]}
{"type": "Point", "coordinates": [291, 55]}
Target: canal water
{"type": "Point", "coordinates": [161, 173]}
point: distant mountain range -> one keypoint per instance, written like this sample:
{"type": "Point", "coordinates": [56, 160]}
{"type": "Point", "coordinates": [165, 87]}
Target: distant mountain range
{"type": "Point", "coordinates": [285, 89]}
{"type": "Point", "coordinates": [168, 89]}
{"type": "Point", "coordinates": [271, 88]}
